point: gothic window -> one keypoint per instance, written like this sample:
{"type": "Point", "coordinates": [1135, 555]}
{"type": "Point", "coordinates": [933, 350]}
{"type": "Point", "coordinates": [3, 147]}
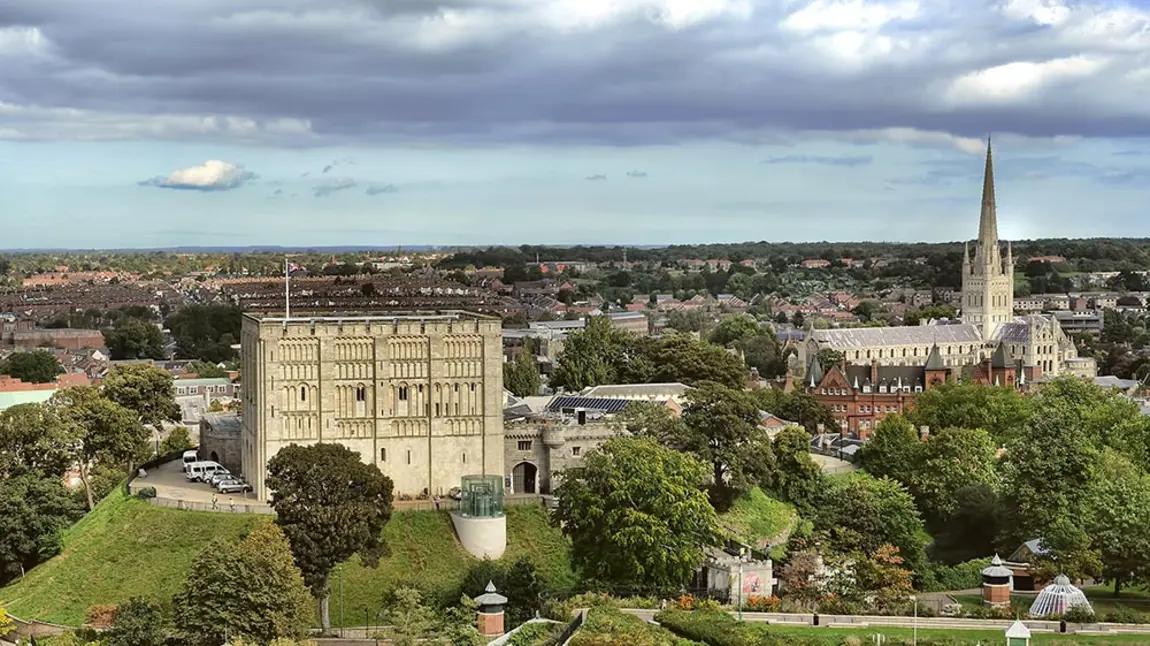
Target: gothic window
{"type": "Point", "coordinates": [383, 455]}
{"type": "Point", "coordinates": [437, 409]}
{"type": "Point", "coordinates": [303, 393]}
{"type": "Point", "coordinates": [403, 393]}
{"type": "Point", "coordinates": [360, 393]}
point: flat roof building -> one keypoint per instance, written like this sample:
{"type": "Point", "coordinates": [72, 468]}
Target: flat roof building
{"type": "Point", "coordinates": [418, 394]}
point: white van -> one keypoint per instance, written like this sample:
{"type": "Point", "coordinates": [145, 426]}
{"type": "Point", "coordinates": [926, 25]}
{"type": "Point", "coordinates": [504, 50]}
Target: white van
{"type": "Point", "coordinates": [201, 471]}
{"type": "Point", "coordinates": [189, 458]}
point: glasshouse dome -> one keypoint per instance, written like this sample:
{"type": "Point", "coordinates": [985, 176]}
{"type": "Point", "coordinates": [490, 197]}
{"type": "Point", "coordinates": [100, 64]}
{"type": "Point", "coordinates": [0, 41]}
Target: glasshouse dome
{"type": "Point", "coordinates": [1057, 598]}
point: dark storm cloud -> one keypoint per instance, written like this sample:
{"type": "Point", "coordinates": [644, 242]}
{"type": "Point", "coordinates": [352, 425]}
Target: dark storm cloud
{"type": "Point", "coordinates": [331, 71]}
{"type": "Point", "coordinates": [844, 160]}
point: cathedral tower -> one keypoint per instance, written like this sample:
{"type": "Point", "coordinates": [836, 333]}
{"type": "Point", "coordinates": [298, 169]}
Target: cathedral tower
{"type": "Point", "coordinates": [988, 277]}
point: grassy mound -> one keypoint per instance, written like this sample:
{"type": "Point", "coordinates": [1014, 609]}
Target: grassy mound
{"type": "Point", "coordinates": [758, 519]}
{"type": "Point", "coordinates": [127, 548]}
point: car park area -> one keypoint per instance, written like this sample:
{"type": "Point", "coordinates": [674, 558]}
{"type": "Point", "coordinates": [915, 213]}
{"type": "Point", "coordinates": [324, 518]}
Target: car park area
{"type": "Point", "coordinates": [170, 483]}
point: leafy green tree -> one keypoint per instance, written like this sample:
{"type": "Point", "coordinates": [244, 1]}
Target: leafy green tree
{"type": "Point", "coordinates": [146, 390]}
{"type": "Point", "coordinates": [1118, 520]}
{"type": "Point", "coordinates": [139, 622]}
{"type": "Point", "coordinates": [99, 432]}
{"type": "Point", "coordinates": [914, 316]}
{"type": "Point", "coordinates": [32, 438]}
{"type": "Point", "coordinates": [206, 332]}
{"type": "Point", "coordinates": [409, 620]}
{"type": "Point", "coordinates": [206, 370]}
{"type": "Point", "coordinates": [249, 589]}
{"type": "Point", "coordinates": [799, 407]}
{"type": "Point", "coordinates": [735, 327]}
{"type": "Point", "coordinates": [330, 505]}
{"type": "Point", "coordinates": [720, 427]}
{"type": "Point", "coordinates": [797, 478]}
{"type": "Point", "coordinates": [521, 376]}
{"type": "Point", "coordinates": [6, 623]}
{"type": "Point", "coordinates": [34, 367]}
{"type": "Point", "coordinates": [34, 510]}
{"type": "Point", "coordinates": [636, 515]}
{"type": "Point", "coordinates": [131, 338]}
{"type": "Point", "coordinates": [861, 513]}
{"type": "Point", "coordinates": [893, 450]}
{"type": "Point", "coordinates": [881, 575]}
{"type": "Point", "coordinates": [1047, 471]}
{"type": "Point", "coordinates": [458, 628]}
{"type": "Point", "coordinates": [686, 320]}
{"type": "Point", "coordinates": [1002, 412]}
{"type": "Point", "coordinates": [866, 310]}
{"type": "Point", "coordinates": [590, 355]}
{"type": "Point", "coordinates": [951, 460]}
{"type": "Point", "coordinates": [678, 357]}
{"type": "Point", "coordinates": [177, 441]}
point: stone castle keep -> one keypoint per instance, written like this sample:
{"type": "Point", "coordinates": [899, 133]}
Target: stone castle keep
{"type": "Point", "coordinates": [419, 395]}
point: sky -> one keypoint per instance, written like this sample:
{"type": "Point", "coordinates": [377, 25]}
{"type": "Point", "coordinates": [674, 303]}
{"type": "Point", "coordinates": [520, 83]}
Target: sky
{"type": "Point", "coordinates": [135, 123]}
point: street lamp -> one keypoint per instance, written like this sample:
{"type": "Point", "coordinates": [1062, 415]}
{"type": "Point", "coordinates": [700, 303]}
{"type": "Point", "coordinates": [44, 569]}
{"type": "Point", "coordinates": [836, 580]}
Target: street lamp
{"type": "Point", "coordinates": [914, 638]}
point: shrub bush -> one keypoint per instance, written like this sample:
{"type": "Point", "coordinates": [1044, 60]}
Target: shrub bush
{"type": "Point", "coordinates": [146, 492]}
{"type": "Point", "coordinates": [1079, 615]}
{"type": "Point", "coordinates": [761, 603]}
{"type": "Point", "coordinates": [609, 627]}
{"type": "Point", "coordinates": [1125, 615]}
{"type": "Point", "coordinates": [536, 634]}
{"type": "Point", "coordinates": [100, 615]}
{"type": "Point", "coordinates": [938, 577]}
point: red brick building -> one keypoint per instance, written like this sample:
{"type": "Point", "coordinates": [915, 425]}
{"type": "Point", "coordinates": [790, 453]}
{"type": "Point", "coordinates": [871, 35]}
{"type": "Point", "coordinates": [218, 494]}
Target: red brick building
{"type": "Point", "coordinates": [860, 396]}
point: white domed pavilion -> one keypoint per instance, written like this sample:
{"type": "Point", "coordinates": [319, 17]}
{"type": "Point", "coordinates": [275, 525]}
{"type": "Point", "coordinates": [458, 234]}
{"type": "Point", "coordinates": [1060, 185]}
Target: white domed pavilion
{"type": "Point", "coordinates": [1058, 597]}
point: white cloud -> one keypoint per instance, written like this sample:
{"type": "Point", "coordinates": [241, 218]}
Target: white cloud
{"type": "Point", "coordinates": [914, 137]}
{"type": "Point", "coordinates": [212, 175]}
{"type": "Point", "coordinates": [22, 40]}
{"type": "Point", "coordinates": [1042, 12]}
{"type": "Point", "coordinates": [1020, 80]}
{"type": "Point", "coordinates": [848, 15]}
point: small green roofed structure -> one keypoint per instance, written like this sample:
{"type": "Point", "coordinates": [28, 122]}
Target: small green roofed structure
{"type": "Point", "coordinates": [482, 496]}
{"type": "Point", "coordinates": [1017, 634]}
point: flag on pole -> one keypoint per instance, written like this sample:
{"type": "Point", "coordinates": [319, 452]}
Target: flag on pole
{"type": "Point", "coordinates": [291, 266]}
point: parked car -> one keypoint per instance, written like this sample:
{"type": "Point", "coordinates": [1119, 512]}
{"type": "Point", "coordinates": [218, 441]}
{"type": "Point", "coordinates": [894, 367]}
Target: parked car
{"type": "Point", "coordinates": [190, 457]}
{"type": "Point", "coordinates": [201, 471]}
{"type": "Point", "coordinates": [216, 477]}
{"type": "Point", "coordinates": [233, 486]}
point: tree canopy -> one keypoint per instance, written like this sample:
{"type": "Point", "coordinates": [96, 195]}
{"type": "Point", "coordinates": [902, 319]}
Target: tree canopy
{"type": "Point", "coordinates": [637, 515]}
{"type": "Point", "coordinates": [99, 432]}
{"type": "Point", "coordinates": [249, 589]}
{"type": "Point", "coordinates": [330, 505]}
{"type": "Point", "coordinates": [34, 367]}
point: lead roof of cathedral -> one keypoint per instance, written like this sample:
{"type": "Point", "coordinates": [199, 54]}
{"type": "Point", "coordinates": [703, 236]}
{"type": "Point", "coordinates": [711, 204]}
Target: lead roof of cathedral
{"type": "Point", "coordinates": [865, 337]}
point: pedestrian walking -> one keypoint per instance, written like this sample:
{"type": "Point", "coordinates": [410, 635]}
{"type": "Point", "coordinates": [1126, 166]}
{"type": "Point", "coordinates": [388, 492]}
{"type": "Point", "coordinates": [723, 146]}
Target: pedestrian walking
{"type": "Point", "coordinates": [436, 499]}
{"type": "Point", "coordinates": [232, 503]}
{"type": "Point", "coordinates": [215, 502]}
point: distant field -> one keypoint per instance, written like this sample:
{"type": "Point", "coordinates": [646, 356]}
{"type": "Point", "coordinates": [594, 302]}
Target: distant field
{"type": "Point", "coordinates": [128, 548]}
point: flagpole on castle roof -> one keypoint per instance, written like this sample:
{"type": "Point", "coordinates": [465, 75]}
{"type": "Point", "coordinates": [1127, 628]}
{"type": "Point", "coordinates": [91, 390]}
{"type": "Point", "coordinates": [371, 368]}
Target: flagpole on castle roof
{"type": "Point", "coordinates": [287, 290]}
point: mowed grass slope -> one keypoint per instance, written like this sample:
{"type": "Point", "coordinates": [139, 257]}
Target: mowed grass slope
{"type": "Point", "coordinates": [127, 548]}
{"type": "Point", "coordinates": [122, 549]}
{"type": "Point", "coordinates": [757, 518]}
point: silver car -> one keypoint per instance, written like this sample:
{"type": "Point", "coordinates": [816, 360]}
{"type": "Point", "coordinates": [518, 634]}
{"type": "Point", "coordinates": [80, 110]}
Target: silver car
{"type": "Point", "coordinates": [233, 485]}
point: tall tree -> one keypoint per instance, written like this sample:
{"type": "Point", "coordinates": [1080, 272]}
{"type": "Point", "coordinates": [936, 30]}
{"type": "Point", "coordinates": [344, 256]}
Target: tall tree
{"type": "Point", "coordinates": [720, 427]}
{"type": "Point", "coordinates": [797, 478]}
{"type": "Point", "coordinates": [146, 390]}
{"type": "Point", "coordinates": [34, 510]}
{"type": "Point", "coordinates": [637, 516]}
{"type": "Point", "coordinates": [1118, 520]}
{"type": "Point", "coordinates": [139, 622]}
{"type": "Point", "coordinates": [330, 505]}
{"type": "Point", "coordinates": [894, 449]}
{"type": "Point", "coordinates": [34, 367]}
{"type": "Point", "coordinates": [590, 356]}
{"type": "Point", "coordinates": [862, 513]}
{"type": "Point", "coordinates": [1002, 412]}
{"type": "Point", "coordinates": [521, 376]}
{"type": "Point", "coordinates": [248, 589]}
{"type": "Point", "coordinates": [131, 338]}
{"type": "Point", "coordinates": [951, 460]}
{"type": "Point", "coordinates": [678, 357]}
{"type": "Point", "coordinates": [32, 438]}
{"type": "Point", "coordinates": [99, 431]}
{"type": "Point", "coordinates": [735, 327]}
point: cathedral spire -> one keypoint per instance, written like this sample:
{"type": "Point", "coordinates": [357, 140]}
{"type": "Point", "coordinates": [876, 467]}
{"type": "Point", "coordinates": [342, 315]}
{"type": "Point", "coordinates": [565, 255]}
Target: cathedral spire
{"type": "Point", "coordinates": [988, 223]}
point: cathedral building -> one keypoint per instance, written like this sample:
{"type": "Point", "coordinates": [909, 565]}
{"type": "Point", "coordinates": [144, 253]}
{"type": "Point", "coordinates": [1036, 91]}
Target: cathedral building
{"type": "Point", "coordinates": [1035, 344]}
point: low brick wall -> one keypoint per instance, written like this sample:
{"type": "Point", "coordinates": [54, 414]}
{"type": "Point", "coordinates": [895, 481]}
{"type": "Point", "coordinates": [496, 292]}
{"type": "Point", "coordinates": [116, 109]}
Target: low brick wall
{"type": "Point", "coordinates": [222, 506]}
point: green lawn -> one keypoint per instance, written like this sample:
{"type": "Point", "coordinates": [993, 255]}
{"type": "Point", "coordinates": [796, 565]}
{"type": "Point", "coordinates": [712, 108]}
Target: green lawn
{"type": "Point", "coordinates": [956, 637]}
{"type": "Point", "coordinates": [129, 548]}
{"type": "Point", "coordinates": [757, 518]}
{"type": "Point", "coordinates": [1101, 598]}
